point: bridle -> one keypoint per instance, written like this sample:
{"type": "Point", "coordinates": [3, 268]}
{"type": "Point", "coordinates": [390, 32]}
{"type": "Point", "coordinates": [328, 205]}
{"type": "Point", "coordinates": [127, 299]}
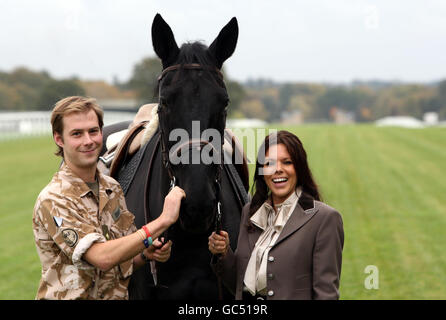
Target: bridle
{"type": "Point", "coordinates": [189, 66]}
{"type": "Point", "coordinates": [192, 143]}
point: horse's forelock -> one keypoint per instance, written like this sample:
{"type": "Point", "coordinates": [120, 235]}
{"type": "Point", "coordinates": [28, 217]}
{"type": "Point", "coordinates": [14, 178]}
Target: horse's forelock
{"type": "Point", "coordinates": [194, 52]}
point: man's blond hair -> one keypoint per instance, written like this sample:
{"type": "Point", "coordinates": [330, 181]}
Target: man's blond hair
{"type": "Point", "coordinates": [70, 105]}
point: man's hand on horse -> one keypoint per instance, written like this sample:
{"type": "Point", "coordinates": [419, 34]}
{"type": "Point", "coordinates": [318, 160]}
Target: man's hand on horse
{"type": "Point", "coordinates": [159, 252]}
{"type": "Point", "coordinates": [172, 203]}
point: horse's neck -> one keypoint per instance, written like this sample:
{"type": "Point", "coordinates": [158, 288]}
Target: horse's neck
{"type": "Point", "coordinates": [157, 185]}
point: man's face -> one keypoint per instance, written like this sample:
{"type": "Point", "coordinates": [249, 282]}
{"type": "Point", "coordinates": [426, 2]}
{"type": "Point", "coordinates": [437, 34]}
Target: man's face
{"type": "Point", "coordinates": [81, 139]}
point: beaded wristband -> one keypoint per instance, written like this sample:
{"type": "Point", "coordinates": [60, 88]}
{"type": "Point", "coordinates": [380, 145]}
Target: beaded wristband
{"type": "Point", "coordinates": [147, 242]}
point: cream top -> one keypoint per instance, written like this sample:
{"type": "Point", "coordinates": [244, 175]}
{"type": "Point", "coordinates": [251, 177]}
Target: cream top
{"type": "Point", "coordinates": [272, 224]}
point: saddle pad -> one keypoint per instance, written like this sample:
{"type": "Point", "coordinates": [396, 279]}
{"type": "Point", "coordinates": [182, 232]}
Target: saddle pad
{"type": "Point", "coordinates": [121, 151]}
{"type": "Point", "coordinates": [127, 172]}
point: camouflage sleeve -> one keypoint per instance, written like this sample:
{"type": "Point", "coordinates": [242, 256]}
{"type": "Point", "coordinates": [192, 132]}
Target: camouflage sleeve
{"type": "Point", "coordinates": [131, 225]}
{"type": "Point", "coordinates": [124, 226]}
{"type": "Point", "coordinates": [67, 228]}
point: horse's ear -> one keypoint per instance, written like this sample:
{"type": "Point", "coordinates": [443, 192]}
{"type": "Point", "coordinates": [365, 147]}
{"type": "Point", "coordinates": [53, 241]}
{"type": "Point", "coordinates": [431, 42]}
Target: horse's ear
{"type": "Point", "coordinates": [224, 45]}
{"type": "Point", "coordinates": [163, 41]}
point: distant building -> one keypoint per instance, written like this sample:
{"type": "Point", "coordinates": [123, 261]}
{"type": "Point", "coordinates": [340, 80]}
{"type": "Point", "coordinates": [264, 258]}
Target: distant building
{"type": "Point", "coordinates": [342, 117]}
{"type": "Point", "coordinates": [245, 123]}
{"type": "Point", "coordinates": [400, 121]}
{"type": "Point", "coordinates": [293, 117]}
{"type": "Point", "coordinates": [430, 118]}
{"type": "Point", "coordinates": [119, 104]}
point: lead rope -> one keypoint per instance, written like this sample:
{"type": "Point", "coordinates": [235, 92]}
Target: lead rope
{"type": "Point", "coordinates": [164, 236]}
{"type": "Point", "coordinates": [218, 222]}
{"type": "Point", "coordinates": [218, 218]}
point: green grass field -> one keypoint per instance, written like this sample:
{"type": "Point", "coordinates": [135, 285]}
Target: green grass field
{"type": "Point", "coordinates": [388, 184]}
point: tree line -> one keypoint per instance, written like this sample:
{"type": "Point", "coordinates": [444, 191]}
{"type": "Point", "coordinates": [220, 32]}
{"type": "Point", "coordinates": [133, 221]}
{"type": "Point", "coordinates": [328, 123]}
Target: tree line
{"type": "Point", "coordinates": [366, 101]}
{"type": "Point", "coordinates": [25, 89]}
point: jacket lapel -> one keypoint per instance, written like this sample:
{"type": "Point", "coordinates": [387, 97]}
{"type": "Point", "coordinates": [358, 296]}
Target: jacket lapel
{"type": "Point", "coordinates": [253, 237]}
{"type": "Point", "coordinates": [302, 213]}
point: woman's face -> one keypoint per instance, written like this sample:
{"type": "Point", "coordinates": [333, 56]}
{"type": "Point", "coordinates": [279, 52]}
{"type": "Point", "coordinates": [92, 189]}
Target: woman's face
{"type": "Point", "coordinates": [279, 173]}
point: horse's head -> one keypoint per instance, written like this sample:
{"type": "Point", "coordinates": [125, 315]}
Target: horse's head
{"type": "Point", "coordinates": [192, 114]}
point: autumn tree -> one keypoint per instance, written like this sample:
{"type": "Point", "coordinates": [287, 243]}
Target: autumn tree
{"type": "Point", "coordinates": [10, 100]}
{"type": "Point", "coordinates": [20, 89]}
{"type": "Point", "coordinates": [144, 79]}
{"type": "Point", "coordinates": [58, 89]}
{"type": "Point", "coordinates": [254, 108]}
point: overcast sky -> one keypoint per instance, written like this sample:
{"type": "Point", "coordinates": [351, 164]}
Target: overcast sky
{"type": "Point", "coordinates": [283, 40]}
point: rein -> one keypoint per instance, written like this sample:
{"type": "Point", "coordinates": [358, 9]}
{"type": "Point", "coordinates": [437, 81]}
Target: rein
{"type": "Point", "coordinates": [197, 143]}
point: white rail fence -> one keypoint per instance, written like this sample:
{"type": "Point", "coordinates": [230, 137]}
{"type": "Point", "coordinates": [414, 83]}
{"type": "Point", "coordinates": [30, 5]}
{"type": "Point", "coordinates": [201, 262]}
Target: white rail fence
{"type": "Point", "coordinates": [27, 124]}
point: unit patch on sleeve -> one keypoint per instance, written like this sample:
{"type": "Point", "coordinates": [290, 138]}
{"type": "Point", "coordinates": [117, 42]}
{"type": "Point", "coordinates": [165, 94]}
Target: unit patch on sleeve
{"type": "Point", "coordinates": [70, 237]}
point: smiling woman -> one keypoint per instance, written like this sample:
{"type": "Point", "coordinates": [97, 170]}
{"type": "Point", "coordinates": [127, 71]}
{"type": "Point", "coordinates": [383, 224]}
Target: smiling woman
{"type": "Point", "coordinates": [280, 176]}
{"type": "Point", "coordinates": [290, 243]}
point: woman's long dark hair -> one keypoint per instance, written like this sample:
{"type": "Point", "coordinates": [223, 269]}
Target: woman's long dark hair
{"type": "Point", "coordinates": [298, 156]}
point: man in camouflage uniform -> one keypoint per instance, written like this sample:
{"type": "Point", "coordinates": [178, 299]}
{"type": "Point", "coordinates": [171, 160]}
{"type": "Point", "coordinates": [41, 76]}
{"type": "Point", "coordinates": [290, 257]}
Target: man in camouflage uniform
{"type": "Point", "coordinates": [84, 234]}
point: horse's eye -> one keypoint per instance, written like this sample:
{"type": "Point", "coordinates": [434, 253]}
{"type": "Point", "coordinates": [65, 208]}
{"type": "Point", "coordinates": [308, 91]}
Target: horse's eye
{"type": "Point", "coordinates": [226, 104]}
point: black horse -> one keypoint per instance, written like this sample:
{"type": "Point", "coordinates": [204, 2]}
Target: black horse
{"type": "Point", "coordinates": [192, 94]}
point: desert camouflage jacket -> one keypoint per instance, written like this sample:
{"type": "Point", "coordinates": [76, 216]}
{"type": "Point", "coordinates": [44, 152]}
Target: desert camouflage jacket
{"type": "Point", "coordinates": [68, 218]}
